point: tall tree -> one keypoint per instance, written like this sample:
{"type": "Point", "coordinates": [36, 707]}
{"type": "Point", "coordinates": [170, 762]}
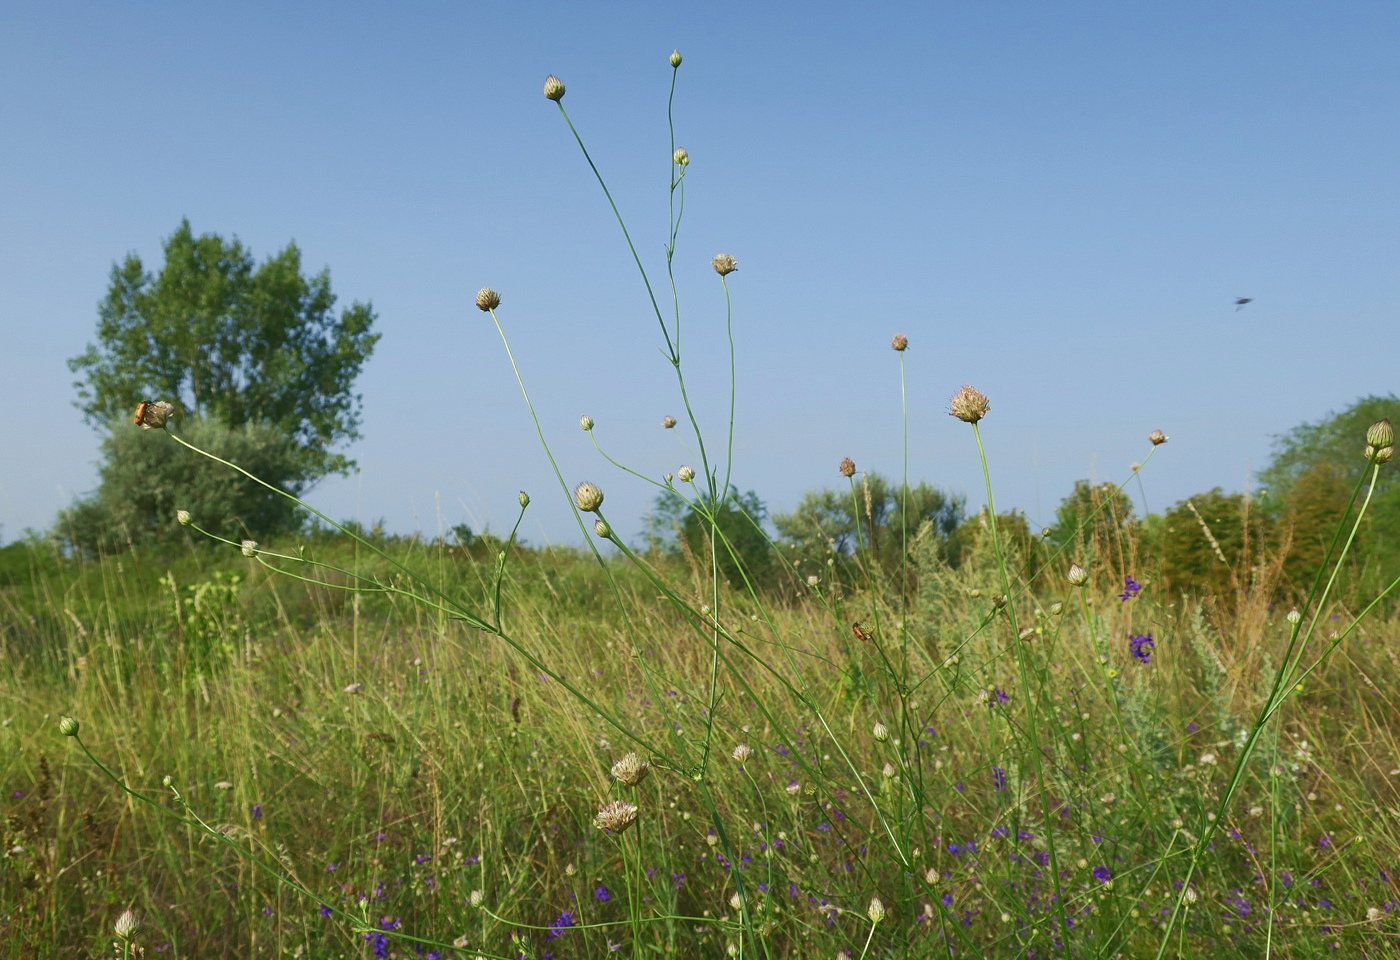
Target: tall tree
{"type": "Point", "coordinates": [233, 341]}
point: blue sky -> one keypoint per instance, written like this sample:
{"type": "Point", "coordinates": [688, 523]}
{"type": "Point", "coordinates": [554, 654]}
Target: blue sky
{"type": "Point", "coordinates": [1056, 202]}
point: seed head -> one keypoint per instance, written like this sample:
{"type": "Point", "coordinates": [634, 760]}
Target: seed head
{"type": "Point", "coordinates": [1077, 575]}
{"type": "Point", "coordinates": [183, 517]}
{"type": "Point", "coordinates": [601, 528]}
{"type": "Point", "coordinates": [523, 499]}
{"type": "Point", "coordinates": [68, 726]}
{"type": "Point", "coordinates": [880, 731]}
{"type": "Point", "coordinates": [1158, 438]}
{"type": "Point", "coordinates": [586, 422]}
{"type": "Point", "coordinates": [631, 770]}
{"type": "Point", "coordinates": [968, 404]}
{"type": "Point", "coordinates": [616, 816]}
{"type": "Point", "coordinates": [249, 548]}
{"type": "Point", "coordinates": [675, 58]}
{"type": "Point", "coordinates": [681, 157]}
{"type": "Point", "coordinates": [487, 299]}
{"type": "Point", "coordinates": [668, 422]}
{"type": "Point", "coordinates": [554, 88]}
{"type": "Point", "coordinates": [724, 264]}
{"type": "Point", "coordinates": [156, 415]}
{"type": "Point", "coordinates": [127, 924]}
{"type": "Point", "coordinates": [847, 467]}
{"type": "Point", "coordinates": [685, 474]}
{"type": "Point", "coordinates": [876, 910]}
{"type": "Point", "coordinates": [1380, 434]}
{"type": "Point", "coordinates": [588, 497]}
{"type": "Point", "coordinates": [742, 752]}
{"type": "Point", "coordinates": [899, 342]}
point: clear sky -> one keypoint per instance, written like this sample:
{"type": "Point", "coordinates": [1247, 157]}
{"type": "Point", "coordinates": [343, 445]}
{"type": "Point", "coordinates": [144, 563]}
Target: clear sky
{"type": "Point", "coordinates": [1057, 202]}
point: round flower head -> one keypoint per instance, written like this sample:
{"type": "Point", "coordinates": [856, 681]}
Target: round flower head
{"type": "Point", "coordinates": [876, 910]}
{"type": "Point", "coordinates": [586, 422]}
{"type": "Point", "coordinates": [668, 422]}
{"type": "Point", "coordinates": [154, 416]}
{"type": "Point", "coordinates": [968, 404]}
{"type": "Point", "coordinates": [724, 264]}
{"type": "Point", "coordinates": [880, 732]}
{"type": "Point", "coordinates": [475, 898]}
{"type": "Point", "coordinates": [675, 58]}
{"type": "Point", "coordinates": [1294, 616]}
{"type": "Point", "coordinates": [1077, 575]}
{"type": "Point", "coordinates": [685, 474]}
{"type": "Point", "coordinates": [742, 752]}
{"type": "Point", "coordinates": [1380, 434]}
{"type": "Point", "coordinates": [182, 517]}
{"type": "Point", "coordinates": [681, 157]}
{"type": "Point", "coordinates": [899, 342]}
{"type": "Point", "coordinates": [1384, 454]}
{"type": "Point", "coordinates": [487, 299]}
{"type": "Point", "coordinates": [554, 88]}
{"type": "Point", "coordinates": [588, 497]}
{"type": "Point", "coordinates": [127, 924]}
{"type": "Point", "coordinates": [616, 816]}
{"type": "Point", "coordinates": [847, 467]}
{"type": "Point", "coordinates": [813, 580]}
{"type": "Point", "coordinates": [601, 528]}
{"type": "Point", "coordinates": [249, 548]}
{"type": "Point", "coordinates": [523, 499]}
{"type": "Point", "coordinates": [630, 770]}
{"type": "Point", "coordinates": [68, 726]}
{"type": "Point", "coordinates": [1158, 438]}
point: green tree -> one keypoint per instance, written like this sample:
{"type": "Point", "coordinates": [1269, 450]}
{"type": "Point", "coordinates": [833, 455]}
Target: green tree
{"type": "Point", "coordinates": [1206, 544]}
{"type": "Point", "coordinates": [1337, 439]}
{"type": "Point", "coordinates": [677, 526]}
{"type": "Point", "coordinates": [230, 340]}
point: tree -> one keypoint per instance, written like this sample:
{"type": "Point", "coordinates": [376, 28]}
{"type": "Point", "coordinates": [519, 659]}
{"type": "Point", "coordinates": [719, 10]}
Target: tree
{"type": "Point", "coordinates": [1207, 544]}
{"type": "Point", "coordinates": [1338, 440]}
{"type": "Point", "coordinates": [227, 340]}
{"type": "Point", "coordinates": [676, 525]}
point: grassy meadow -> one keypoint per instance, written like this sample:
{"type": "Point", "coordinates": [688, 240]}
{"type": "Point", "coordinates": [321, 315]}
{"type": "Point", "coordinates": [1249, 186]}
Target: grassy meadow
{"type": "Point", "coordinates": [340, 743]}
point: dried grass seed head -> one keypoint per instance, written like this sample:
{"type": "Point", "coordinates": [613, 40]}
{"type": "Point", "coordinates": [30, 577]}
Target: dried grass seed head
{"type": "Point", "coordinates": [487, 299]}
{"type": "Point", "coordinates": [631, 769]}
{"type": "Point", "coordinates": [969, 404]}
{"type": "Point", "coordinates": [724, 264]}
{"type": "Point", "coordinates": [588, 497]}
{"type": "Point", "coordinates": [616, 816]}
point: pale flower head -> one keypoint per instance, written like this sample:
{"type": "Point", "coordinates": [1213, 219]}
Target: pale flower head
{"type": "Point", "coordinates": [616, 816]}
{"type": "Point", "coordinates": [487, 299]}
{"type": "Point", "coordinates": [631, 769]}
{"type": "Point", "coordinates": [588, 497]}
{"type": "Point", "coordinates": [742, 752]}
{"type": "Point", "coordinates": [969, 404]}
{"type": "Point", "coordinates": [724, 264]}
{"type": "Point", "coordinates": [127, 924]}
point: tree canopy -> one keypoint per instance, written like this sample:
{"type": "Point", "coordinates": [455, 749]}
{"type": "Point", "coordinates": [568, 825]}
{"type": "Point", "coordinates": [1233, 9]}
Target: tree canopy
{"type": "Point", "coordinates": [227, 339]}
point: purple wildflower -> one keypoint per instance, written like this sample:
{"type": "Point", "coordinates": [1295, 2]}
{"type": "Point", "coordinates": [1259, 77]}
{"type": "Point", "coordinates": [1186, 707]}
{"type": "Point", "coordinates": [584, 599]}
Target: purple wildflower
{"type": "Point", "coordinates": [1140, 645]}
{"type": "Point", "coordinates": [257, 811]}
{"type": "Point", "coordinates": [560, 924]}
{"type": "Point", "coordinates": [998, 778]}
{"type": "Point", "coordinates": [325, 910]}
{"type": "Point", "coordinates": [1131, 588]}
{"type": "Point", "coordinates": [1102, 874]}
{"type": "Point", "coordinates": [602, 894]}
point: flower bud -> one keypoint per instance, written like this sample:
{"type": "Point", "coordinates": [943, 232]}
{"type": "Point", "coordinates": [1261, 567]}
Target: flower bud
{"type": "Point", "coordinates": [1056, 608]}
{"type": "Point", "coordinates": [1381, 434]}
{"type": "Point", "coordinates": [487, 299]}
{"type": "Point", "coordinates": [847, 467]}
{"type": "Point", "coordinates": [675, 58]}
{"type": "Point", "coordinates": [601, 528]}
{"type": "Point", "coordinates": [68, 726]}
{"type": "Point", "coordinates": [570, 870]}
{"type": "Point", "coordinates": [1077, 575]}
{"type": "Point", "coordinates": [588, 497]}
{"type": "Point", "coordinates": [630, 770]}
{"type": "Point", "coordinates": [249, 548]}
{"type": "Point", "coordinates": [476, 897]}
{"type": "Point", "coordinates": [127, 924]}
{"type": "Point", "coordinates": [681, 157]}
{"type": "Point", "coordinates": [182, 517]}
{"type": "Point", "coordinates": [1190, 895]}
{"type": "Point", "coordinates": [742, 752]}
{"type": "Point", "coordinates": [969, 404]}
{"type": "Point", "coordinates": [899, 342]}
{"type": "Point", "coordinates": [876, 910]}
{"type": "Point", "coordinates": [889, 771]}
{"type": "Point", "coordinates": [524, 499]}
{"type": "Point", "coordinates": [1158, 438]}
{"type": "Point", "coordinates": [169, 781]}
{"type": "Point", "coordinates": [668, 422]}
{"type": "Point", "coordinates": [1385, 454]}
{"type": "Point", "coordinates": [813, 580]}
{"type": "Point", "coordinates": [880, 732]}
{"type": "Point", "coordinates": [724, 264]}
{"type": "Point", "coordinates": [554, 88]}
{"type": "Point", "coordinates": [1294, 616]}
{"type": "Point", "coordinates": [685, 474]}
{"type": "Point", "coordinates": [586, 422]}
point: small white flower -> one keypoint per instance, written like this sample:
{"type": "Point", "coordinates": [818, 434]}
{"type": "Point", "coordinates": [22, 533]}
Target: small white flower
{"type": "Point", "coordinates": [223, 785]}
{"type": "Point", "coordinates": [354, 688]}
{"type": "Point", "coordinates": [742, 752]}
